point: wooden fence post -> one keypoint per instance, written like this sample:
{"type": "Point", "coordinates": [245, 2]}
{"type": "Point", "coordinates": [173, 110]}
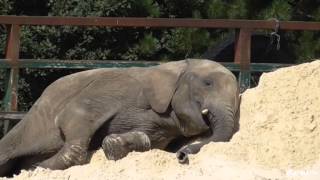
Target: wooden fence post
{"type": "Point", "coordinates": [243, 57]}
{"type": "Point", "coordinates": [12, 55]}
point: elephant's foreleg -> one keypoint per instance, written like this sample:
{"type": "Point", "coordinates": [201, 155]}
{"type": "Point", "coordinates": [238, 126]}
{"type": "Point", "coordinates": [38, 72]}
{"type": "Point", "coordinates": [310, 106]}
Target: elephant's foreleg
{"type": "Point", "coordinates": [117, 146]}
{"type": "Point", "coordinates": [191, 148]}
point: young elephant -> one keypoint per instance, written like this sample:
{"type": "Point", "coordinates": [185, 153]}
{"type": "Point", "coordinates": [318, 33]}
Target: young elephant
{"type": "Point", "coordinates": [123, 110]}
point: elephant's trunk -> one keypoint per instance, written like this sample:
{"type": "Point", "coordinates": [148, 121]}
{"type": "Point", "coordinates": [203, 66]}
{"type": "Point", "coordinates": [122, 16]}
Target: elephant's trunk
{"type": "Point", "coordinates": [223, 126]}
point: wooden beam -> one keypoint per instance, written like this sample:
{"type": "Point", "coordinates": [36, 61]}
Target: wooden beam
{"type": "Point", "coordinates": [157, 22]}
{"type": "Point", "coordinates": [12, 116]}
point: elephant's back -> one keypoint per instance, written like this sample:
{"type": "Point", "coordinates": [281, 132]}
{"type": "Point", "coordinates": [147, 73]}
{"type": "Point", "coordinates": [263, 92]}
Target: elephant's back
{"type": "Point", "coordinates": [63, 90]}
{"type": "Point", "coordinates": [58, 95]}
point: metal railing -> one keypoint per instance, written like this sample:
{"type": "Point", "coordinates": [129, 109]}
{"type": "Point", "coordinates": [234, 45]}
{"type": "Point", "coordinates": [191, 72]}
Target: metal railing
{"type": "Point", "coordinates": [244, 30]}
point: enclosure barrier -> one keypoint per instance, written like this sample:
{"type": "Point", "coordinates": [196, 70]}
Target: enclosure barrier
{"type": "Point", "coordinates": [244, 30]}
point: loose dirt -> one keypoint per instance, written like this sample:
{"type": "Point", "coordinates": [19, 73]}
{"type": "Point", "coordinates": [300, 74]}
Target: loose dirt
{"type": "Point", "coordinates": [279, 138]}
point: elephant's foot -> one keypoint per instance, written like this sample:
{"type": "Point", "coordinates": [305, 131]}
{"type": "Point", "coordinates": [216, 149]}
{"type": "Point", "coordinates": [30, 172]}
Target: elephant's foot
{"type": "Point", "coordinates": [192, 148]}
{"type": "Point", "coordinates": [117, 146]}
{"type": "Point", "coordinates": [69, 155]}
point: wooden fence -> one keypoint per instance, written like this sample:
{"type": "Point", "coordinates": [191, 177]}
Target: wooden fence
{"type": "Point", "coordinates": [244, 29]}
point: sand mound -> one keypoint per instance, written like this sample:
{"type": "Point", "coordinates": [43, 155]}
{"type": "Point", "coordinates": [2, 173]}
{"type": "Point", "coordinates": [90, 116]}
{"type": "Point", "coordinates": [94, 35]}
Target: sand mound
{"type": "Point", "coordinates": [279, 138]}
{"type": "Point", "coordinates": [279, 120]}
{"type": "Point", "coordinates": [153, 165]}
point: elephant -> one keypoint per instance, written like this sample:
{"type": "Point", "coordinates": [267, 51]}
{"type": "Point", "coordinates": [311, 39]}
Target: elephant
{"type": "Point", "coordinates": [122, 110]}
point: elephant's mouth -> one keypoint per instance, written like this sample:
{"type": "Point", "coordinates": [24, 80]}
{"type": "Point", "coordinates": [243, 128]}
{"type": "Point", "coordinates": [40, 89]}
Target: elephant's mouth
{"type": "Point", "coordinates": [207, 117]}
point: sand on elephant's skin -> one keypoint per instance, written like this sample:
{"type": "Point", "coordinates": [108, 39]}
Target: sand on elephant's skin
{"type": "Point", "coordinates": [279, 138]}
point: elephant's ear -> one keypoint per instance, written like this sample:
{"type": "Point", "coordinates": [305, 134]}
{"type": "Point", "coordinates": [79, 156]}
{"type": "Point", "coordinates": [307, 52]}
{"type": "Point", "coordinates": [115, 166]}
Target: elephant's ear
{"type": "Point", "coordinates": [160, 83]}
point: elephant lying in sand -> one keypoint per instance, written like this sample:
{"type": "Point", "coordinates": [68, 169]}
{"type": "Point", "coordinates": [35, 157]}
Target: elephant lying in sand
{"type": "Point", "coordinates": [123, 110]}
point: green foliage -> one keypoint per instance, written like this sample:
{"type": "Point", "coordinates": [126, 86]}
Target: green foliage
{"type": "Point", "coordinates": [104, 8]}
{"type": "Point", "coordinates": [317, 14]}
{"type": "Point", "coordinates": [184, 43]}
{"type": "Point", "coordinates": [37, 42]}
{"type": "Point", "coordinates": [217, 9]}
{"type": "Point", "coordinates": [66, 42]}
{"type": "Point", "coordinates": [148, 45]}
{"type": "Point", "coordinates": [311, 46]}
{"type": "Point", "coordinates": [89, 42]}
{"type": "Point", "coordinates": [238, 9]}
{"type": "Point", "coordinates": [144, 49]}
{"type": "Point", "coordinates": [5, 6]}
{"type": "Point", "coordinates": [2, 86]}
{"type": "Point", "coordinates": [280, 9]}
{"type": "Point", "coordinates": [180, 8]}
{"type": "Point", "coordinates": [232, 9]}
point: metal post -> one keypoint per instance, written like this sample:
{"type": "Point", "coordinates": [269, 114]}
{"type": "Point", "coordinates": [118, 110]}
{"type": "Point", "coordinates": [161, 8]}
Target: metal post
{"type": "Point", "coordinates": [243, 56]}
{"type": "Point", "coordinates": [12, 56]}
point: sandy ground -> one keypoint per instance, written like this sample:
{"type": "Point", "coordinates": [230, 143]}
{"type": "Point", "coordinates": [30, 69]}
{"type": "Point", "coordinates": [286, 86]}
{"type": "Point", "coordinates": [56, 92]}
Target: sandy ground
{"type": "Point", "coordinates": [279, 138]}
{"type": "Point", "coordinates": [160, 165]}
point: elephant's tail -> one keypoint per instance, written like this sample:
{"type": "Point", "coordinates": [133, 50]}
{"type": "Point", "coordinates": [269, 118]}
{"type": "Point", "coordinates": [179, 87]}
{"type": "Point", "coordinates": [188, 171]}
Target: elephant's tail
{"type": "Point", "coordinates": [8, 150]}
{"type": "Point", "coordinates": [9, 141]}
{"type": "Point", "coordinates": [13, 145]}
{"type": "Point", "coordinates": [31, 137]}
{"type": "Point", "coordinates": [12, 139]}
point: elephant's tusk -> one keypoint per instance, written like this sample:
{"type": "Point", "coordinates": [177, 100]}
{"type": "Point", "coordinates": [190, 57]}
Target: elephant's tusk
{"type": "Point", "coordinates": [204, 112]}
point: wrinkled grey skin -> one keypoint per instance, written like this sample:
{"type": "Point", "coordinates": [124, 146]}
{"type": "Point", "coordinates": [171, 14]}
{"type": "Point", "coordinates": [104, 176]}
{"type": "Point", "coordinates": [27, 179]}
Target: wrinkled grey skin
{"type": "Point", "coordinates": [122, 110]}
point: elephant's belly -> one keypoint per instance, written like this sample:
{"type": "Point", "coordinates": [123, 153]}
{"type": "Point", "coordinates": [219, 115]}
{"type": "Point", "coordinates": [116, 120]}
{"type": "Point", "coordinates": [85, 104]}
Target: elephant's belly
{"type": "Point", "coordinates": [154, 126]}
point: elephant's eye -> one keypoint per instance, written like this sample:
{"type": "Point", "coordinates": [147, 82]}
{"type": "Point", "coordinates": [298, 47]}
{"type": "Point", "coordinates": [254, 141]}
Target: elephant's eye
{"type": "Point", "coordinates": [208, 83]}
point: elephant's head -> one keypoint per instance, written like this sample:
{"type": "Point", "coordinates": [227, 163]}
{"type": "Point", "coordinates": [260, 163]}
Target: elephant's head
{"type": "Point", "coordinates": [203, 95]}
{"type": "Point", "coordinates": [206, 95]}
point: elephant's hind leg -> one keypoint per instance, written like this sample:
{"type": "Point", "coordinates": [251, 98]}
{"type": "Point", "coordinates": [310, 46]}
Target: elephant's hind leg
{"type": "Point", "coordinates": [78, 124]}
{"type": "Point", "coordinates": [117, 146]}
{"type": "Point", "coordinates": [75, 148]}
{"type": "Point", "coordinates": [72, 153]}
